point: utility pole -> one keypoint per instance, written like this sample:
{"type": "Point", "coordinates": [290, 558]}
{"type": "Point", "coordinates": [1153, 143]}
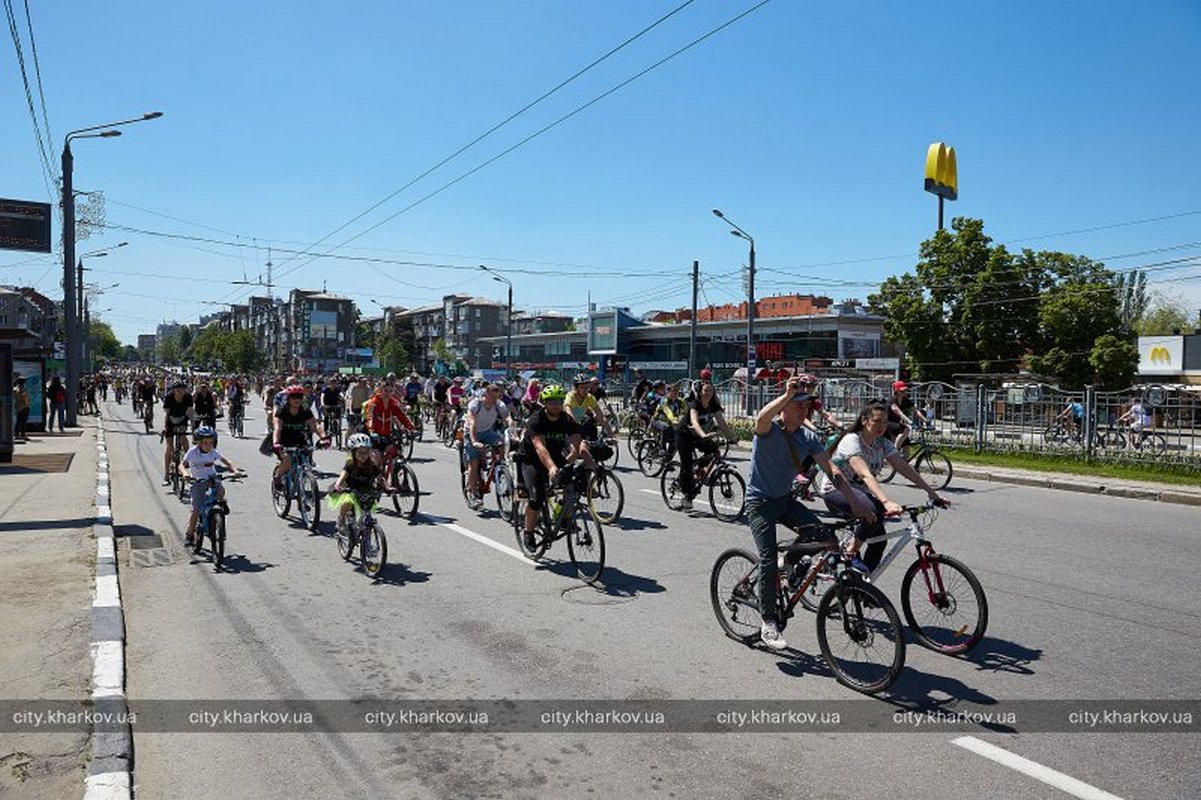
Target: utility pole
{"type": "Point", "coordinates": [70, 319]}
{"type": "Point", "coordinates": [696, 274]}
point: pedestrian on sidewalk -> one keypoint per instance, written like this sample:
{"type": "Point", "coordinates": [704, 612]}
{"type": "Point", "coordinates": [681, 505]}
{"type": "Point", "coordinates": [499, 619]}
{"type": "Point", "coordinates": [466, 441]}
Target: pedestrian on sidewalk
{"type": "Point", "coordinates": [58, 404]}
{"type": "Point", "coordinates": [21, 404]}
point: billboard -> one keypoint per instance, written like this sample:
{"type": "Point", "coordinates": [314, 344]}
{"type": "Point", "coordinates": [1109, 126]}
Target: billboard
{"type": "Point", "coordinates": [602, 332]}
{"type": "Point", "coordinates": [1160, 355]}
{"type": "Point", "coordinates": [858, 344]}
{"type": "Point", "coordinates": [24, 225]}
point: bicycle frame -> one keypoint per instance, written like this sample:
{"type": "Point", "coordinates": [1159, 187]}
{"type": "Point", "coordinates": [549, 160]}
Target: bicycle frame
{"type": "Point", "coordinates": [912, 533]}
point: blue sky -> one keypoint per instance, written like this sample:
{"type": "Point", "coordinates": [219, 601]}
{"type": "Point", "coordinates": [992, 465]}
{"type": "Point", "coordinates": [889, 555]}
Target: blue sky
{"type": "Point", "coordinates": [807, 123]}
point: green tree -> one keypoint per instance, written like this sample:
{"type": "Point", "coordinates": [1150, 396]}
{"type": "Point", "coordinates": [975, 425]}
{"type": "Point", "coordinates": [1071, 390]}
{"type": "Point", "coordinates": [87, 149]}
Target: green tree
{"type": "Point", "coordinates": [1164, 314]}
{"type": "Point", "coordinates": [1114, 361]}
{"type": "Point", "coordinates": [442, 351]}
{"type": "Point", "coordinates": [169, 350]}
{"type": "Point", "coordinates": [105, 343]}
{"type": "Point", "coordinates": [185, 339]}
{"type": "Point", "coordinates": [239, 354]}
{"type": "Point", "coordinates": [207, 346]}
{"type": "Point", "coordinates": [1079, 304]}
{"type": "Point", "coordinates": [1132, 299]}
{"type": "Point", "coordinates": [392, 354]}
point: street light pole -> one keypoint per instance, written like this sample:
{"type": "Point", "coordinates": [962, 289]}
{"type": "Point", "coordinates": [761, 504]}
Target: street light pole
{"type": "Point", "coordinates": [751, 355]}
{"type": "Point", "coordinates": [72, 344]}
{"type": "Point", "coordinates": [509, 321]}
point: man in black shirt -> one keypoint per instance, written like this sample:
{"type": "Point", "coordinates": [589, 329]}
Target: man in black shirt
{"type": "Point", "coordinates": [552, 441]}
{"type": "Point", "coordinates": [177, 410]}
{"type": "Point", "coordinates": [205, 404]}
{"type": "Point", "coordinates": [642, 386]}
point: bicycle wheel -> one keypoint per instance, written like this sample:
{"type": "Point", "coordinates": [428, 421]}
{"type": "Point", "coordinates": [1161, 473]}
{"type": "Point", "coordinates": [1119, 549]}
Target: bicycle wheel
{"type": "Point", "coordinates": [650, 458]}
{"type": "Point", "coordinates": [374, 549]}
{"type": "Point", "coordinates": [935, 468]}
{"type": "Point", "coordinates": [606, 496]}
{"type": "Point", "coordinates": [860, 636]}
{"type": "Point", "coordinates": [821, 583]}
{"type": "Point", "coordinates": [406, 494]}
{"type": "Point", "coordinates": [345, 534]}
{"type": "Point", "coordinates": [732, 588]}
{"type": "Point", "coordinates": [887, 473]}
{"type": "Point", "coordinates": [1155, 442]}
{"type": "Point", "coordinates": [540, 542]}
{"type": "Point", "coordinates": [467, 499]}
{"type": "Point", "coordinates": [586, 544]}
{"type": "Point", "coordinates": [241, 418]}
{"type": "Point", "coordinates": [502, 487]}
{"type": "Point", "coordinates": [946, 610]}
{"type": "Point", "coordinates": [727, 494]}
{"type": "Point", "coordinates": [281, 498]}
{"type": "Point", "coordinates": [633, 438]}
{"type": "Point", "coordinates": [217, 538]}
{"type": "Point", "coordinates": [406, 446]}
{"type": "Point", "coordinates": [669, 487]}
{"type": "Point", "coordinates": [308, 501]}
{"type": "Point", "coordinates": [198, 538]}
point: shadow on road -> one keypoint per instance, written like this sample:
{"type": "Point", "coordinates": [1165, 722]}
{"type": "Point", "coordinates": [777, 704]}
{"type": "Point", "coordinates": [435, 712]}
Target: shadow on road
{"type": "Point", "coordinates": [1001, 655]}
{"type": "Point", "coordinates": [131, 530]}
{"type": "Point", "coordinates": [399, 575]}
{"type": "Point", "coordinates": [45, 524]}
{"type": "Point", "coordinates": [798, 664]}
{"type": "Point", "coordinates": [628, 524]}
{"type": "Point", "coordinates": [617, 583]}
{"type": "Point", "coordinates": [235, 564]}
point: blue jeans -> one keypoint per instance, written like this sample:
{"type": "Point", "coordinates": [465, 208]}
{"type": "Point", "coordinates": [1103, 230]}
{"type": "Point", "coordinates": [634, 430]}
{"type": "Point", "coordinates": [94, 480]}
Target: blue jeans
{"type": "Point", "coordinates": [763, 516]}
{"type": "Point", "coordinates": [59, 411]}
{"type": "Point", "coordinates": [492, 438]}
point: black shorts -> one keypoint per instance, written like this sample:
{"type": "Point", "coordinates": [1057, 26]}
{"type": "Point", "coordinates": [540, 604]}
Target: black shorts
{"type": "Point", "coordinates": [535, 479]}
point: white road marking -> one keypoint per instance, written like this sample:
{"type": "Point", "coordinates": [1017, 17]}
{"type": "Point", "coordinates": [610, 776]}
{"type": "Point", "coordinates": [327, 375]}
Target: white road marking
{"type": "Point", "coordinates": [108, 673]}
{"type": "Point", "coordinates": [1065, 783]}
{"type": "Point", "coordinates": [104, 548]}
{"type": "Point", "coordinates": [484, 540]}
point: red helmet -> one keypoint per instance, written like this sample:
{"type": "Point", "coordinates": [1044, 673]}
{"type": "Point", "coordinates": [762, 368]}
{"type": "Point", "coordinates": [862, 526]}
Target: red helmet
{"type": "Point", "coordinates": [706, 374]}
{"type": "Point", "coordinates": [899, 386]}
{"type": "Point", "coordinates": [295, 390]}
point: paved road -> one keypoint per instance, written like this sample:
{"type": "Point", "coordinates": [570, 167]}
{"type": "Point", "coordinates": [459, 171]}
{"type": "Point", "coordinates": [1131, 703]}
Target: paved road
{"type": "Point", "coordinates": [1091, 598]}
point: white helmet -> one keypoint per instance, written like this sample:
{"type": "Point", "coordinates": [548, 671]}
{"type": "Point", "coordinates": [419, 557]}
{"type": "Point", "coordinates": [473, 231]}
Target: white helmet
{"type": "Point", "coordinates": [358, 440]}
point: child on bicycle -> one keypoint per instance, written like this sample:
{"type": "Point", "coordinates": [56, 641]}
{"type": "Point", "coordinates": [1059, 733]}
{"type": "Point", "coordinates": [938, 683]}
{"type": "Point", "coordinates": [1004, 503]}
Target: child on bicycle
{"type": "Point", "coordinates": [362, 474]}
{"type": "Point", "coordinates": [201, 462]}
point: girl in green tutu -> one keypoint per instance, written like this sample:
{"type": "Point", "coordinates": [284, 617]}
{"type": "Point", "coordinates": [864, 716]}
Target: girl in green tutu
{"type": "Point", "coordinates": [361, 481]}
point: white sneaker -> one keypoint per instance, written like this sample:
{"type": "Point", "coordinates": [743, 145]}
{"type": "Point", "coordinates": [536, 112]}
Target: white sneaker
{"type": "Point", "coordinates": [771, 636]}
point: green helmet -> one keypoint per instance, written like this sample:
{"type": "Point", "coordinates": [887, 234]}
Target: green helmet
{"type": "Point", "coordinates": [552, 391]}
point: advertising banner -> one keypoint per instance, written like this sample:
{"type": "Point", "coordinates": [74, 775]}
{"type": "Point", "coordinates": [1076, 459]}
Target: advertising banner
{"type": "Point", "coordinates": [35, 384]}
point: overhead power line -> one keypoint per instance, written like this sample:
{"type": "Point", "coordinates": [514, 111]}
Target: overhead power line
{"type": "Point", "coordinates": [43, 150]}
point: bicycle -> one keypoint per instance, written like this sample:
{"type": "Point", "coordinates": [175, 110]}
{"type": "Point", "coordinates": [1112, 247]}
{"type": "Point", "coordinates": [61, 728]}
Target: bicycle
{"type": "Point", "coordinates": [566, 516]}
{"type": "Point", "coordinates": [654, 453]}
{"type": "Point", "coordinates": [361, 528]}
{"type": "Point", "coordinates": [299, 484]}
{"type": "Point", "coordinates": [179, 483]}
{"type": "Point", "coordinates": [331, 421]}
{"type": "Point", "coordinates": [452, 430]}
{"type": "Point", "coordinates": [727, 488]}
{"type": "Point", "coordinates": [494, 476]}
{"type": "Point", "coordinates": [605, 495]}
{"type": "Point", "coordinates": [148, 416]}
{"type": "Point", "coordinates": [949, 597]}
{"type": "Point", "coordinates": [235, 418]}
{"type": "Point", "coordinates": [399, 477]}
{"type": "Point", "coordinates": [854, 613]}
{"type": "Point", "coordinates": [930, 462]}
{"type": "Point", "coordinates": [211, 521]}
{"type": "Point", "coordinates": [1146, 439]}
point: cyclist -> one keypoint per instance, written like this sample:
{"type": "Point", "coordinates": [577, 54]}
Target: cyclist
{"type": "Point", "coordinates": [777, 455]}
{"type": "Point", "coordinates": [361, 475]}
{"type": "Point", "coordinates": [703, 413]}
{"type": "Point", "coordinates": [455, 393]}
{"type": "Point", "coordinates": [378, 413]}
{"type": "Point", "coordinates": [177, 411]}
{"type": "Point", "coordinates": [1140, 419]}
{"type": "Point", "coordinates": [331, 402]}
{"type": "Point", "coordinates": [356, 396]}
{"type": "Point", "coordinates": [648, 403]}
{"type": "Point", "coordinates": [293, 424]}
{"type": "Point", "coordinates": [483, 428]}
{"type": "Point", "coordinates": [235, 398]}
{"type": "Point", "coordinates": [808, 385]}
{"type": "Point", "coordinates": [441, 393]}
{"type": "Point", "coordinates": [147, 394]}
{"type": "Point", "coordinates": [552, 441]}
{"type": "Point", "coordinates": [586, 410]}
{"type": "Point", "coordinates": [413, 391]}
{"type": "Point", "coordinates": [1075, 409]}
{"type": "Point", "coordinates": [669, 416]}
{"type": "Point", "coordinates": [901, 413]}
{"type": "Point", "coordinates": [205, 404]}
{"type": "Point", "coordinates": [201, 462]}
{"type": "Point", "coordinates": [642, 385]}
{"type": "Point", "coordinates": [859, 458]}
{"type": "Point", "coordinates": [529, 401]}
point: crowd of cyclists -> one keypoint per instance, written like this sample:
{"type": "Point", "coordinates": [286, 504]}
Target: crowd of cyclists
{"type": "Point", "coordinates": [559, 426]}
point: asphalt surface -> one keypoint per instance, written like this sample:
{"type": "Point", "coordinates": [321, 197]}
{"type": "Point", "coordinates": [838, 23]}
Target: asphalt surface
{"type": "Point", "coordinates": [1091, 598]}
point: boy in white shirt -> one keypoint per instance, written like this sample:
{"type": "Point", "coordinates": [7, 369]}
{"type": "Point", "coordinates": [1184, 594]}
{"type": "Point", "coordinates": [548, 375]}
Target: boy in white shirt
{"type": "Point", "coordinates": [201, 461]}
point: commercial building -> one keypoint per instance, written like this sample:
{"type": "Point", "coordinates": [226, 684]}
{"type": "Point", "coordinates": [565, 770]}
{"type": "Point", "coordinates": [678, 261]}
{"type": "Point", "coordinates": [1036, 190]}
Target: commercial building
{"type": "Point", "coordinates": [1170, 359]}
{"type": "Point", "coordinates": [464, 324]}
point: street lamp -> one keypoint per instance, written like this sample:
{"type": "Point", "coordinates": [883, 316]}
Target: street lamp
{"type": "Point", "coordinates": [751, 360]}
{"type": "Point", "coordinates": [79, 286]}
{"type": "Point", "coordinates": [509, 326]}
{"type": "Point", "coordinates": [69, 297]}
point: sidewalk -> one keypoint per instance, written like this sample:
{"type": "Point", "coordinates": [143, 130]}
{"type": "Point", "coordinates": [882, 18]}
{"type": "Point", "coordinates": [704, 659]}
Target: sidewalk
{"type": "Point", "coordinates": [1064, 481]}
{"type": "Point", "coordinates": [47, 568]}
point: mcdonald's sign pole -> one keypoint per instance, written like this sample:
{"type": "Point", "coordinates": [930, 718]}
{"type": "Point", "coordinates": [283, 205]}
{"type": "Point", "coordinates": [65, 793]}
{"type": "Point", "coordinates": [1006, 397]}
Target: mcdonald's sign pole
{"type": "Point", "coordinates": [942, 178]}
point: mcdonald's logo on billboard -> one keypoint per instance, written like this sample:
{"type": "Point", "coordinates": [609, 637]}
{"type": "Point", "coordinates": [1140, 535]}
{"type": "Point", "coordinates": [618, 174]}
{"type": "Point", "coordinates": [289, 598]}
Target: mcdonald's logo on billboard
{"type": "Point", "coordinates": [942, 177]}
{"type": "Point", "coordinates": [1160, 355]}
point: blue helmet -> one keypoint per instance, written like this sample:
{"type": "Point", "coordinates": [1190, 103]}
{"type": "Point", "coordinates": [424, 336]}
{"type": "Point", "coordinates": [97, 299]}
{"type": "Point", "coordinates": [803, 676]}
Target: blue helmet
{"type": "Point", "coordinates": [205, 432]}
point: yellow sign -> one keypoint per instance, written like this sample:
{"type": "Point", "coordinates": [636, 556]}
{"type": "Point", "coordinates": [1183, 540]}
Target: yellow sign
{"type": "Point", "coordinates": [1160, 355]}
{"type": "Point", "coordinates": [942, 178]}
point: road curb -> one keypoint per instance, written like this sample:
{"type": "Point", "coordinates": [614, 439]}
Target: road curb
{"type": "Point", "coordinates": [109, 772]}
{"type": "Point", "coordinates": [1085, 486]}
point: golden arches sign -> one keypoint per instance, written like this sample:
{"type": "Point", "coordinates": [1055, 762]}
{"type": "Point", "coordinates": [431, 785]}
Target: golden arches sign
{"type": "Point", "coordinates": [1160, 355]}
{"type": "Point", "coordinates": [942, 177]}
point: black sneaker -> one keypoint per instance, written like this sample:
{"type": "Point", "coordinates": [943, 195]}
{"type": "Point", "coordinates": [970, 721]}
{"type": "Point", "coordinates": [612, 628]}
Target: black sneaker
{"type": "Point", "coordinates": [528, 541]}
